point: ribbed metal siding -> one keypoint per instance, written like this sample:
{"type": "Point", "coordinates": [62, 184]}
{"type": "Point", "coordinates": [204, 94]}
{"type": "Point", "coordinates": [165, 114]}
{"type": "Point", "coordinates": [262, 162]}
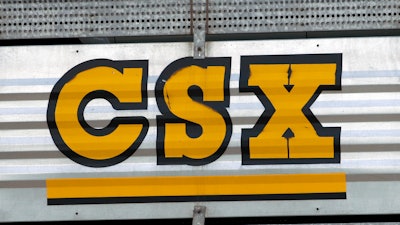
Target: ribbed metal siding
{"type": "Point", "coordinates": [124, 18]}
{"type": "Point", "coordinates": [367, 109]}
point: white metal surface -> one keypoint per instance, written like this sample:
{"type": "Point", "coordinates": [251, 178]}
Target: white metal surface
{"type": "Point", "coordinates": [367, 109]}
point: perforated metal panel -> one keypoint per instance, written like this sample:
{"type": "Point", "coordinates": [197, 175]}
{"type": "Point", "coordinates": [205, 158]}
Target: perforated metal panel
{"type": "Point", "coordinates": [48, 19]}
{"type": "Point", "coordinates": [302, 15]}
{"type": "Point", "coordinates": [89, 18]}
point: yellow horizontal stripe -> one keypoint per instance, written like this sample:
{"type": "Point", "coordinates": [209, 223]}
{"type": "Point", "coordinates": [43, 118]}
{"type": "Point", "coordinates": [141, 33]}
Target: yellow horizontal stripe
{"type": "Point", "coordinates": [196, 185]}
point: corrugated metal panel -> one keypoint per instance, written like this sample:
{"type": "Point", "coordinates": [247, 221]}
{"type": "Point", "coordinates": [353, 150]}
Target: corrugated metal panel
{"type": "Point", "coordinates": [367, 109]}
{"type": "Point", "coordinates": [124, 18]}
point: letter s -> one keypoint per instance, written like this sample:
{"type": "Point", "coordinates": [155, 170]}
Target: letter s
{"type": "Point", "coordinates": [192, 95]}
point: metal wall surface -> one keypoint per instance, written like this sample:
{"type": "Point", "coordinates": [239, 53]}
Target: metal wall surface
{"type": "Point", "coordinates": [367, 109]}
{"type": "Point", "coordinates": [123, 18]}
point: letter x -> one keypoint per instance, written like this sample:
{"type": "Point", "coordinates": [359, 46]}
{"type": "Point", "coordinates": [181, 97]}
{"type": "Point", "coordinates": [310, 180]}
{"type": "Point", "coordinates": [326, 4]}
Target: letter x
{"type": "Point", "coordinates": [287, 131]}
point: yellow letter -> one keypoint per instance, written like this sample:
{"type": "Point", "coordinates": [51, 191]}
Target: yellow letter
{"type": "Point", "coordinates": [123, 84]}
{"type": "Point", "coordinates": [193, 95]}
{"type": "Point", "coordinates": [287, 131]}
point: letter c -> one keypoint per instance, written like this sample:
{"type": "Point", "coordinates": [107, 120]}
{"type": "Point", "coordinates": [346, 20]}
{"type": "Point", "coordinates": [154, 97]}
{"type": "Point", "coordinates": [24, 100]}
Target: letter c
{"type": "Point", "coordinates": [123, 84]}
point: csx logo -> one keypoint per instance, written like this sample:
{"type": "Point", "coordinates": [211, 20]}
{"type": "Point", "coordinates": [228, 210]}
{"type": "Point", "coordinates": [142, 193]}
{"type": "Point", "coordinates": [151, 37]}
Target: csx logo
{"type": "Point", "coordinates": [193, 95]}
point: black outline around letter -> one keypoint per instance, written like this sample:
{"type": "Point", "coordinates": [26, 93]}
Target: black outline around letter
{"type": "Point", "coordinates": [169, 117]}
{"type": "Point", "coordinates": [269, 108]}
{"type": "Point", "coordinates": [118, 65]}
